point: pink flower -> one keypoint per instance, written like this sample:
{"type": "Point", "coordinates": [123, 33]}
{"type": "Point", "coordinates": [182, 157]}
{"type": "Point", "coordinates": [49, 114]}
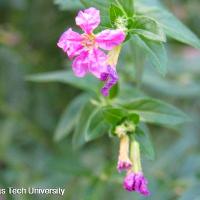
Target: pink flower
{"type": "Point", "coordinates": [85, 48]}
{"type": "Point", "coordinates": [136, 182]}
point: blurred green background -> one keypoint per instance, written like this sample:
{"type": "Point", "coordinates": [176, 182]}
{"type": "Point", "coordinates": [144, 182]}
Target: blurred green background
{"type": "Point", "coordinates": [29, 112]}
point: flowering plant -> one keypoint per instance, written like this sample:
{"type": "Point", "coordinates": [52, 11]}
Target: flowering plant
{"type": "Point", "coordinates": [132, 27]}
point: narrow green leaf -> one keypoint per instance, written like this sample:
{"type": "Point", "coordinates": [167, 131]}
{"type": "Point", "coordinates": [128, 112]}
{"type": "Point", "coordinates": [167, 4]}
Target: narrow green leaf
{"type": "Point", "coordinates": [79, 135]}
{"type": "Point", "coordinates": [155, 111]}
{"type": "Point", "coordinates": [157, 55]}
{"type": "Point", "coordinates": [148, 35]}
{"type": "Point", "coordinates": [154, 51]}
{"type": "Point", "coordinates": [114, 91]}
{"type": "Point", "coordinates": [172, 26]}
{"type": "Point", "coordinates": [69, 117]}
{"type": "Point", "coordinates": [96, 125]}
{"type": "Point", "coordinates": [113, 115]}
{"type": "Point", "coordinates": [135, 118]}
{"type": "Point", "coordinates": [115, 12]}
{"type": "Point", "coordinates": [146, 145]}
{"type": "Point", "coordinates": [86, 83]}
{"type": "Point", "coordinates": [175, 29]}
{"type": "Point", "coordinates": [171, 87]}
{"type": "Point", "coordinates": [128, 6]}
{"type": "Point", "coordinates": [127, 92]}
{"type": "Point", "coordinates": [148, 28]}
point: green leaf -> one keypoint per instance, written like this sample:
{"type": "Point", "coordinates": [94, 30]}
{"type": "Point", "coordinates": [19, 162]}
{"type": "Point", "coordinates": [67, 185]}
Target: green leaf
{"type": "Point", "coordinates": [149, 35]}
{"type": "Point", "coordinates": [171, 25]}
{"type": "Point", "coordinates": [81, 125]}
{"type": "Point", "coordinates": [154, 51]}
{"type": "Point", "coordinates": [135, 118]}
{"type": "Point", "coordinates": [69, 117]}
{"type": "Point", "coordinates": [147, 28]}
{"type": "Point", "coordinates": [127, 6]}
{"type": "Point", "coordinates": [88, 83]}
{"type": "Point", "coordinates": [96, 125]}
{"type": "Point", "coordinates": [115, 12]}
{"type": "Point", "coordinates": [171, 87]}
{"type": "Point", "coordinates": [114, 91]}
{"type": "Point", "coordinates": [146, 145]}
{"type": "Point", "coordinates": [127, 92]}
{"type": "Point", "coordinates": [175, 29]}
{"type": "Point", "coordinates": [113, 114]}
{"type": "Point", "coordinates": [155, 111]}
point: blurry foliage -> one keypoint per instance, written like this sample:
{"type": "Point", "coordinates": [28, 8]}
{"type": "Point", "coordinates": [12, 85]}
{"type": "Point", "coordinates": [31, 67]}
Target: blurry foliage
{"type": "Point", "coordinates": [68, 5]}
{"type": "Point", "coordinates": [30, 112]}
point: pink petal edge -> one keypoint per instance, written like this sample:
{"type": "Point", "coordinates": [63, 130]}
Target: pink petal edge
{"type": "Point", "coordinates": [88, 19]}
{"type": "Point", "coordinates": [70, 43]}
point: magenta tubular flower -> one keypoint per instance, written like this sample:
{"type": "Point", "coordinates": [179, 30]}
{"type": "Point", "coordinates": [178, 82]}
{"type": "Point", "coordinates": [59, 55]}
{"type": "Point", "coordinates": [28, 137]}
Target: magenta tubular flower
{"type": "Point", "coordinates": [85, 48]}
{"type": "Point", "coordinates": [136, 182]}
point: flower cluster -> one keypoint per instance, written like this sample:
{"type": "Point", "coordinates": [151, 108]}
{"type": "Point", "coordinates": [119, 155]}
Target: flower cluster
{"type": "Point", "coordinates": [134, 180]}
{"type": "Point", "coordinates": [86, 51]}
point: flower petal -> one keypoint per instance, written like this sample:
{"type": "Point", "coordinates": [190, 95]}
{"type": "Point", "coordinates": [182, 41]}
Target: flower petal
{"type": "Point", "coordinates": [88, 19]}
{"type": "Point", "coordinates": [129, 181]}
{"type": "Point", "coordinates": [108, 39]}
{"type": "Point", "coordinates": [80, 64]}
{"type": "Point", "coordinates": [70, 43]}
{"type": "Point", "coordinates": [112, 78]}
{"type": "Point", "coordinates": [97, 62]}
{"type": "Point", "coordinates": [123, 165]}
